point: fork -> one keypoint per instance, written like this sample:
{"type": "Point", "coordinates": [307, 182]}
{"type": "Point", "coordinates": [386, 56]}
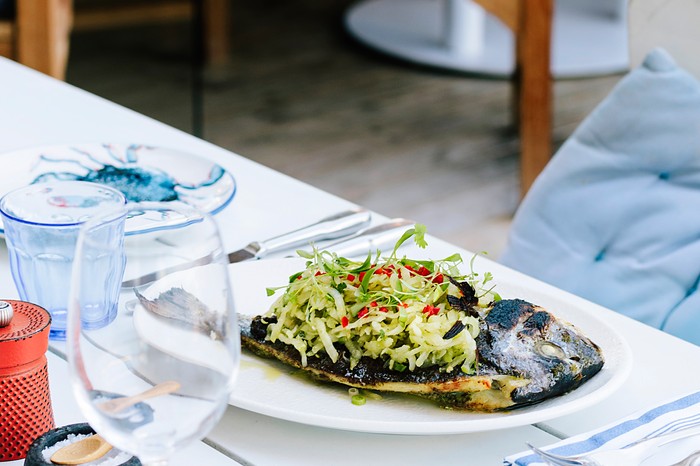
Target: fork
{"type": "Point", "coordinates": [633, 453]}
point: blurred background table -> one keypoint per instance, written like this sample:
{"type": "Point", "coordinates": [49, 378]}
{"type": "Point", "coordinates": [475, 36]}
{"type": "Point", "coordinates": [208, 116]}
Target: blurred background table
{"type": "Point", "coordinates": [588, 38]}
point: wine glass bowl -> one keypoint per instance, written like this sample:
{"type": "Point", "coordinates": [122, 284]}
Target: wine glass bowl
{"type": "Point", "coordinates": [173, 349]}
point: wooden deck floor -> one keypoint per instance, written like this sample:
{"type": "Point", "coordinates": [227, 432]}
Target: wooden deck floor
{"type": "Point", "coordinates": [303, 98]}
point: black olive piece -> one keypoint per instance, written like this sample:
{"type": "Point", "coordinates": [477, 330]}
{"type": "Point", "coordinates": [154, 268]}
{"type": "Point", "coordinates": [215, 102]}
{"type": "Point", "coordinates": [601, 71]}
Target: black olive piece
{"type": "Point", "coordinates": [461, 304]}
{"type": "Point", "coordinates": [258, 327]}
{"type": "Point", "coordinates": [468, 292]}
{"type": "Point", "coordinates": [454, 331]}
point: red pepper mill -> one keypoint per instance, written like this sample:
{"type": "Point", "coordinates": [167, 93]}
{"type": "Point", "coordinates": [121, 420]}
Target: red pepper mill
{"type": "Point", "coordinates": [25, 402]}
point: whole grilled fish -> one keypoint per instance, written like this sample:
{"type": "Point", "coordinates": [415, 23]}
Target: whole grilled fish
{"type": "Point", "coordinates": [525, 355]}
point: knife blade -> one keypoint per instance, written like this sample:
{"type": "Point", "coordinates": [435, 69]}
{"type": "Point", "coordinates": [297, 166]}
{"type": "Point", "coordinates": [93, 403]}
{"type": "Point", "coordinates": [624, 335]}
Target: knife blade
{"type": "Point", "coordinates": [380, 237]}
{"type": "Point", "coordinates": [332, 227]}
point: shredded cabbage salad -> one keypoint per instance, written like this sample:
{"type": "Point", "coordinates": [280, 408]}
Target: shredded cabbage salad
{"type": "Point", "coordinates": [385, 307]}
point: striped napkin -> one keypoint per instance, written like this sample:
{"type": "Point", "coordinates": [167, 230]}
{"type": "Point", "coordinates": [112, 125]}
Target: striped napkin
{"type": "Point", "coordinates": [668, 417]}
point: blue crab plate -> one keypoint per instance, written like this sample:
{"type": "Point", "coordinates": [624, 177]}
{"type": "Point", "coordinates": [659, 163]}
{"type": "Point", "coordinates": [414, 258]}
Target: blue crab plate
{"type": "Point", "coordinates": [142, 173]}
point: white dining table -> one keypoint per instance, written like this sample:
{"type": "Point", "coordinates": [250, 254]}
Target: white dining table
{"type": "Point", "coordinates": [36, 110]}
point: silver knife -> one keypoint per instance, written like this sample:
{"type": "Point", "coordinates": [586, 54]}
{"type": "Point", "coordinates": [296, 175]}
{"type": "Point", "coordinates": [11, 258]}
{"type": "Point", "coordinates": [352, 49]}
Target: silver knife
{"type": "Point", "coordinates": [380, 237]}
{"type": "Point", "coordinates": [333, 227]}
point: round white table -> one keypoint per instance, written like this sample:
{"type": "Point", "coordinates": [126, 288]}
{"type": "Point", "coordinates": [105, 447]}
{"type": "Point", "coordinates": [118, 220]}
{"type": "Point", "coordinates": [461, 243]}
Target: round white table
{"type": "Point", "coordinates": [589, 37]}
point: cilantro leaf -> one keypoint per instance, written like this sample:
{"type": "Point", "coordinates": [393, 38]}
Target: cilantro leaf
{"type": "Point", "coordinates": [419, 237]}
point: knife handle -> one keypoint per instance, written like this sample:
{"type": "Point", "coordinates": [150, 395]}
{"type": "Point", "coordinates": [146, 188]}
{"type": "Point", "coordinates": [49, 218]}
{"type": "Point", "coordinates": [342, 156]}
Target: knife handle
{"type": "Point", "coordinates": [335, 226]}
{"type": "Point", "coordinates": [382, 237]}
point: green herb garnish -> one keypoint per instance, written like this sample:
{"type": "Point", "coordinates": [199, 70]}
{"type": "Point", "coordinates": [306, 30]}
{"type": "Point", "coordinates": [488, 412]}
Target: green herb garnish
{"type": "Point", "coordinates": [393, 308]}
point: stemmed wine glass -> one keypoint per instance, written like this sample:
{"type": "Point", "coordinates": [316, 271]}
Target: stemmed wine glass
{"type": "Point", "coordinates": [158, 376]}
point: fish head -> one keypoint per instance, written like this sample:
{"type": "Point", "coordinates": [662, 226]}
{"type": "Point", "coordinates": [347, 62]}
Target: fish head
{"type": "Point", "coordinates": [520, 339]}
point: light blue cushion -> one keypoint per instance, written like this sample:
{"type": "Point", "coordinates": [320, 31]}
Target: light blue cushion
{"type": "Point", "coordinates": [615, 215]}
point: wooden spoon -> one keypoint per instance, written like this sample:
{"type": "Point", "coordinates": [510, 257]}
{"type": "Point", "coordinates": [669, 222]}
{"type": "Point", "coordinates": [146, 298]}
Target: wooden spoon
{"type": "Point", "coordinates": [83, 451]}
{"type": "Point", "coordinates": [119, 404]}
{"type": "Point", "coordinates": [94, 447]}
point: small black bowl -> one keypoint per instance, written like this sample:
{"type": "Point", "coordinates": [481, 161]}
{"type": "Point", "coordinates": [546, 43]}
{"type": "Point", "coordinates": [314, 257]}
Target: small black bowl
{"type": "Point", "coordinates": [52, 437]}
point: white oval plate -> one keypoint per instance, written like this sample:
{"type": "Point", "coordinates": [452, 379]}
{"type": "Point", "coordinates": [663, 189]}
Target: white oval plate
{"type": "Point", "coordinates": [174, 176]}
{"type": "Point", "coordinates": [272, 389]}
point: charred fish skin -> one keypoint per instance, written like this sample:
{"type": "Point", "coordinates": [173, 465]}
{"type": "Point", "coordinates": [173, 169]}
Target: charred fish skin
{"type": "Point", "coordinates": [367, 372]}
{"type": "Point", "coordinates": [455, 390]}
{"type": "Point", "coordinates": [526, 355]}
{"type": "Point", "coordinates": [520, 339]}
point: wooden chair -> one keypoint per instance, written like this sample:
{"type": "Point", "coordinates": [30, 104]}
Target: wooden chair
{"type": "Point", "coordinates": [531, 23]}
{"type": "Point", "coordinates": [215, 20]}
{"type": "Point", "coordinates": [613, 217]}
{"type": "Point", "coordinates": [671, 24]}
{"type": "Point", "coordinates": [38, 35]}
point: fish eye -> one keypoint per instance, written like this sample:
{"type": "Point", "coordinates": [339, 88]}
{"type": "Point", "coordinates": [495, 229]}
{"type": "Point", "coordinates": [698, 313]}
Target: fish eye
{"type": "Point", "coordinates": [549, 350]}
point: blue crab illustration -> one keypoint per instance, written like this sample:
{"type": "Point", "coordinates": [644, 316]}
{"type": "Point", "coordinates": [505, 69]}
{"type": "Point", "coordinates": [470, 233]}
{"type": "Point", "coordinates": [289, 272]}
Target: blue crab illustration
{"type": "Point", "coordinates": [138, 183]}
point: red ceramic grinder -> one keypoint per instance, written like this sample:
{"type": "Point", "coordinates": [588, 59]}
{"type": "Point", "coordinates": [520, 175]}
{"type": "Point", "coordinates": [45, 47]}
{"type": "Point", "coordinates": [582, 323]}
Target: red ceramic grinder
{"type": "Point", "coordinates": [25, 401]}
